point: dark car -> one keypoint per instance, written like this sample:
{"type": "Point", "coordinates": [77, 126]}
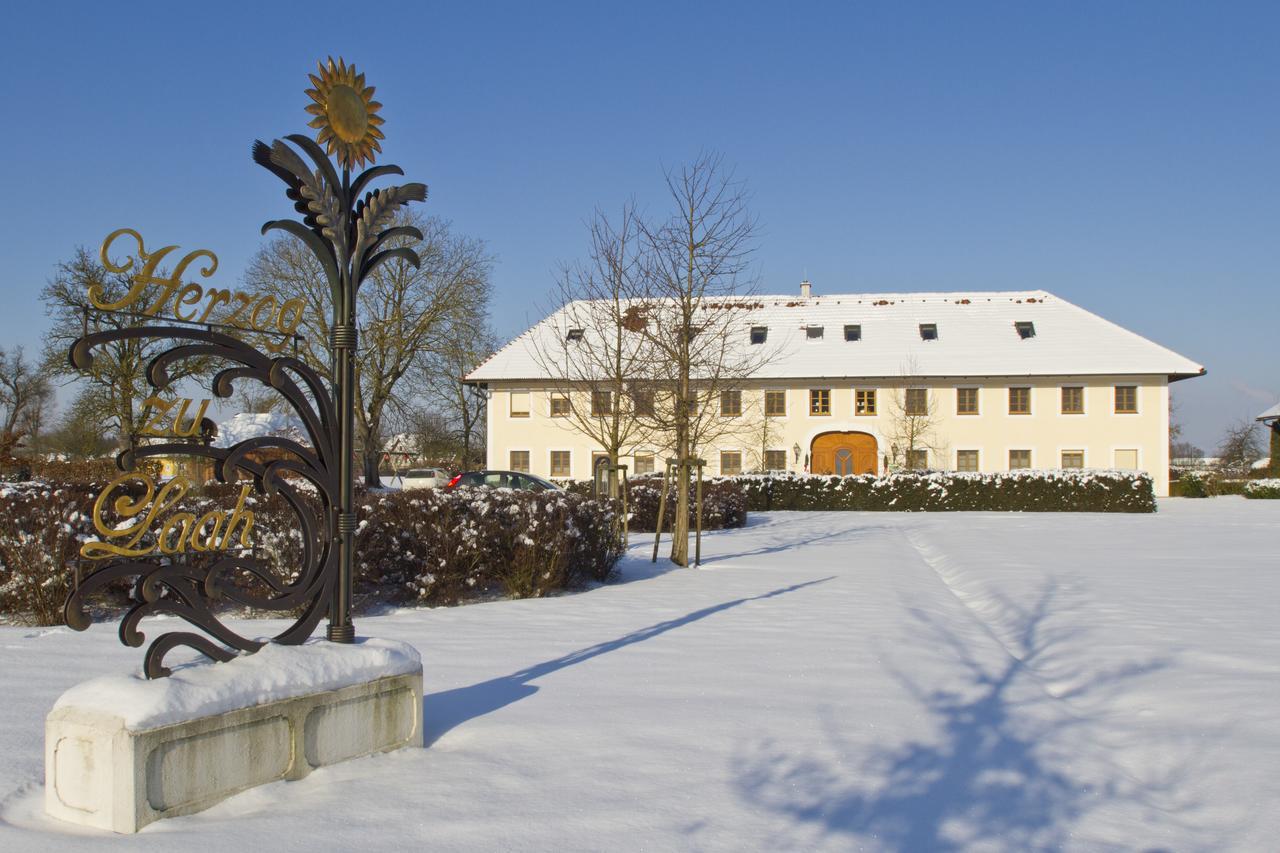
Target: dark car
{"type": "Point", "coordinates": [502, 480]}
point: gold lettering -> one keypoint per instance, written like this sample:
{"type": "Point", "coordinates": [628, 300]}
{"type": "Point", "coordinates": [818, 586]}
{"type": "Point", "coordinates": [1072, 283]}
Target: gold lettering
{"type": "Point", "coordinates": [216, 298]}
{"type": "Point", "coordinates": [146, 509]}
{"type": "Point", "coordinates": [162, 407]}
{"type": "Point", "coordinates": [171, 283]}
{"type": "Point", "coordinates": [200, 542]}
{"type": "Point", "coordinates": [175, 533]}
{"type": "Point", "coordinates": [244, 299]}
{"type": "Point", "coordinates": [193, 290]}
{"type": "Point", "coordinates": [149, 261]}
{"type": "Point", "coordinates": [146, 275]}
{"type": "Point", "coordinates": [184, 429]}
{"type": "Point", "coordinates": [250, 311]}
{"type": "Point", "coordinates": [268, 302]}
{"type": "Point", "coordinates": [240, 514]}
{"type": "Point", "coordinates": [164, 540]}
{"type": "Point", "coordinates": [179, 425]}
{"type": "Point", "coordinates": [290, 327]}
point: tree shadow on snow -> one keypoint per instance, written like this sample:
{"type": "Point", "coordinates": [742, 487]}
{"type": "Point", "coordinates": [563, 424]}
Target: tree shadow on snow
{"type": "Point", "coordinates": [787, 542]}
{"type": "Point", "coordinates": [450, 708]}
{"type": "Point", "coordinates": [998, 774]}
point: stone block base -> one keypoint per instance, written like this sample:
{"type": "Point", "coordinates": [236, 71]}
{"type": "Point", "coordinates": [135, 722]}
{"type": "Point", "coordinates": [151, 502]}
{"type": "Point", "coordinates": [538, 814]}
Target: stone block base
{"type": "Point", "coordinates": [100, 773]}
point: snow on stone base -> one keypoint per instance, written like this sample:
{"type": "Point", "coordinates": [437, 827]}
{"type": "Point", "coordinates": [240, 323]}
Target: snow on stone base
{"type": "Point", "coordinates": [122, 751]}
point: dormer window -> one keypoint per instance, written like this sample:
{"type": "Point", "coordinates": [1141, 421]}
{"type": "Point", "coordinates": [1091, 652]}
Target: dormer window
{"type": "Point", "coordinates": [853, 333]}
{"type": "Point", "coordinates": [574, 335]}
{"type": "Point", "coordinates": [1026, 329]}
{"type": "Point", "coordinates": [759, 333]}
{"type": "Point", "coordinates": [928, 331]}
{"type": "Point", "coordinates": [813, 333]}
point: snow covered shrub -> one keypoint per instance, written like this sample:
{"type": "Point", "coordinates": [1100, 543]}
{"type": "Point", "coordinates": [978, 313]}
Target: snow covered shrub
{"type": "Point", "coordinates": [424, 545]}
{"type": "Point", "coordinates": [41, 525]}
{"type": "Point", "coordinates": [724, 504]}
{"type": "Point", "coordinates": [443, 547]}
{"type": "Point", "coordinates": [102, 470]}
{"type": "Point", "coordinates": [1192, 484]}
{"type": "Point", "coordinates": [1023, 491]}
{"type": "Point", "coordinates": [1205, 484]}
{"type": "Point", "coordinates": [1267, 489]}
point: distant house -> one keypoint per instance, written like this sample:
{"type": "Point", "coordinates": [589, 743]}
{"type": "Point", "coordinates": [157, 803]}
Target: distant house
{"type": "Point", "coordinates": [402, 450]}
{"type": "Point", "coordinates": [1271, 419]}
{"type": "Point", "coordinates": [234, 430]}
{"type": "Point", "coordinates": [1017, 379]}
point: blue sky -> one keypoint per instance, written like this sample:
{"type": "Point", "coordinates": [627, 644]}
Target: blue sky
{"type": "Point", "coordinates": [1121, 155]}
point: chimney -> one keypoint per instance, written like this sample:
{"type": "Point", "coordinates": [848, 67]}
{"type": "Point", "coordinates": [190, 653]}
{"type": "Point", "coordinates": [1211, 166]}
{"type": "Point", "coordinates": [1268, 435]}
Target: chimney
{"type": "Point", "coordinates": [805, 289]}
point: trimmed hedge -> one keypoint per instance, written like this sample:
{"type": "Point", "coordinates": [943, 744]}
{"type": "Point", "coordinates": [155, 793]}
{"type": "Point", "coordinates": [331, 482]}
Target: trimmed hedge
{"type": "Point", "coordinates": [724, 502]}
{"type": "Point", "coordinates": [1199, 484]}
{"type": "Point", "coordinates": [424, 546]}
{"type": "Point", "coordinates": [1016, 491]}
{"type": "Point", "coordinates": [1263, 489]}
{"type": "Point", "coordinates": [444, 547]}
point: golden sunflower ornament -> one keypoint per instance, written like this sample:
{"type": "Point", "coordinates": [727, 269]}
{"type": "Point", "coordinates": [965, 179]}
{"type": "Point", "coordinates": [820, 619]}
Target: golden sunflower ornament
{"type": "Point", "coordinates": [346, 115]}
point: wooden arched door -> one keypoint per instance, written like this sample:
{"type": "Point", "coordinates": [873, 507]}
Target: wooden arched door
{"type": "Point", "coordinates": [844, 453]}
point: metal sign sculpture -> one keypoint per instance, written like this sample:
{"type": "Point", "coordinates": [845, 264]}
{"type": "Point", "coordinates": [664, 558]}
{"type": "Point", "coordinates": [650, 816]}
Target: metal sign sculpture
{"type": "Point", "coordinates": [189, 566]}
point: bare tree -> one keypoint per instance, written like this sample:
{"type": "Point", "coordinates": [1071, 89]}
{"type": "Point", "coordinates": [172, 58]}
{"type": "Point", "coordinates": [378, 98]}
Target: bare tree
{"type": "Point", "coordinates": [694, 302]}
{"type": "Point", "coordinates": [434, 438]}
{"type": "Point", "coordinates": [460, 407]}
{"type": "Point", "coordinates": [256, 399]}
{"type": "Point", "coordinates": [913, 421]}
{"type": "Point", "coordinates": [763, 433]}
{"type": "Point", "coordinates": [404, 314]}
{"type": "Point", "coordinates": [116, 386]}
{"type": "Point", "coordinates": [78, 435]}
{"type": "Point", "coordinates": [598, 357]}
{"type": "Point", "coordinates": [25, 393]}
{"type": "Point", "coordinates": [1239, 449]}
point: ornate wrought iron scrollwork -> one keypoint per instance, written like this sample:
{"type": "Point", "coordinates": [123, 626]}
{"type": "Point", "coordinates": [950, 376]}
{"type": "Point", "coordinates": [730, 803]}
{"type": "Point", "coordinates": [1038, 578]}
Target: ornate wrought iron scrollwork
{"type": "Point", "coordinates": [350, 236]}
{"type": "Point", "coordinates": [181, 588]}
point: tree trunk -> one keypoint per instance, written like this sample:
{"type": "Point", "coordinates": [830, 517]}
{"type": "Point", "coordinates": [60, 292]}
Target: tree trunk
{"type": "Point", "coordinates": [1275, 449]}
{"type": "Point", "coordinates": [372, 478]}
{"type": "Point", "coordinates": [680, 521]}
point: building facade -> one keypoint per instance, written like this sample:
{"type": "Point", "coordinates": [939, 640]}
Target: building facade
{"type": "Point", "coordinates": [868, 383]}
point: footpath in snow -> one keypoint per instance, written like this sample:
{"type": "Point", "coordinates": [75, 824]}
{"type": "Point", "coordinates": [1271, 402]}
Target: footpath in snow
{"type": "Point", "coordinates": [827, 681]}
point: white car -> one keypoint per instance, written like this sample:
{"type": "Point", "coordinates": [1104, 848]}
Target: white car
{"type": "Point", "coordinates": [424, 478]}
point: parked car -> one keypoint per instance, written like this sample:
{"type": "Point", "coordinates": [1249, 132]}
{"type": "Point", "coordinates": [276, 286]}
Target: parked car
{"type": "Point", "coordinates": [425, 478]}
{"type": "Point", "coordinates": [502, 480]}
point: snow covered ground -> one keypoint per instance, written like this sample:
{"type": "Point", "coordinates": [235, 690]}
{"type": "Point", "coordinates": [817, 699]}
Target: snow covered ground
{"type": "Point", "coordinates": [827, 681]}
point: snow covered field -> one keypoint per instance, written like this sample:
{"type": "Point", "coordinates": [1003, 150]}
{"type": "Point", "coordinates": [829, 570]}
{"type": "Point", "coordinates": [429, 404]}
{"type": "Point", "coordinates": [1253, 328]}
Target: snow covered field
{"type": "Point", "coordinates": [827, 681]}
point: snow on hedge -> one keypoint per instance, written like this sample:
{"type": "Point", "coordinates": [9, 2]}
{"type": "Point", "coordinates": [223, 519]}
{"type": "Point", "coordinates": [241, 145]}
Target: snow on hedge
{"type": "Point", "coordinates": [1262, 489]}
{"type": "Point", "coordinates": [1028, 490]}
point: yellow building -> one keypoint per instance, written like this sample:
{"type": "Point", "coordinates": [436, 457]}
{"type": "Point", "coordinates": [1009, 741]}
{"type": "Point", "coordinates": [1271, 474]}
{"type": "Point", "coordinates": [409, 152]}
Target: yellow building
{"type": "Point", "coordinates": [864, 383]}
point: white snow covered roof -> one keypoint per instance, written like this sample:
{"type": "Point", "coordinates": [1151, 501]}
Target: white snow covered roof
{"type": "Point", "coordinates": [976, 336]}
{"type": "Point", "coordinates": [1271, 414]}
{"type": "Point", "coordinates": [245, 425]}
{"type": "Point", "coordinates": [402, 442]}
